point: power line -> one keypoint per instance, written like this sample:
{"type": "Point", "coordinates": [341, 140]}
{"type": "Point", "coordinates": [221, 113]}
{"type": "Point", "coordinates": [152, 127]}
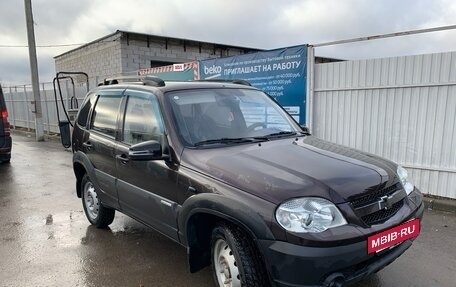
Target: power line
{"type": "Point", "coordinates": [57, 45]}
{"type": "Point", "coordinates": [42, 46]}
{"type": "Point", "coordinates": [382, 36]}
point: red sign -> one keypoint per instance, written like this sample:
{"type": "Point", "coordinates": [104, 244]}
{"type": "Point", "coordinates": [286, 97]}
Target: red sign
{"type": "Point", "coordinates": [393, 236]}
{"type": "Point", "coordinates": [178, 67]}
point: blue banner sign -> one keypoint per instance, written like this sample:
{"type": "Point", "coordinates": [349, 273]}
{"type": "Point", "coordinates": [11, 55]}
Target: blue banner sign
{"type": "Point", "coordinates": [281, 73]}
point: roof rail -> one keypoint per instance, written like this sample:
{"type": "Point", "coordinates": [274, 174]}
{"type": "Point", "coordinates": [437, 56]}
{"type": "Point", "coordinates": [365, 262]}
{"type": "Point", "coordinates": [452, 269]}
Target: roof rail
{"type": "Point", "coordinates": [116, 80]}
{"type": "Point", "coordinates": [146, 80]}
{"type": "Point", "coordinates": [234, 81]}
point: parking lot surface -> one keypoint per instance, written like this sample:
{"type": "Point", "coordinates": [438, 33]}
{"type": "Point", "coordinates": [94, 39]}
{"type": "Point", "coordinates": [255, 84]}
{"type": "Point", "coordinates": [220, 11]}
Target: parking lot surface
{"type": "Point", "coordinates": [45, 239]}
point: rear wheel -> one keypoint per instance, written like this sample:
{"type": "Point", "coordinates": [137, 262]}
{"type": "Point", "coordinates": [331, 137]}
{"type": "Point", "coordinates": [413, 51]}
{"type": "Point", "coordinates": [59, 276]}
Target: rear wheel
{"type": "Point", "coordinates": [6, 160]}
{"type": "Point", "coordinates": [235, 260]}
{"type": "Point", "coordinates": [96, 213]}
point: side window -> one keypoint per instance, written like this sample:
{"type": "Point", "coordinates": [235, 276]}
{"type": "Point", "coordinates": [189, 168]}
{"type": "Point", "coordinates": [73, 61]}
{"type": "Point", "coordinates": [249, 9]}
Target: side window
{"type": "Point", "coordinates": [85, 109]}
{"type": "Point", "coordinates": [143, 120]}
{"type": "Point", "coordinates": [104, 116]}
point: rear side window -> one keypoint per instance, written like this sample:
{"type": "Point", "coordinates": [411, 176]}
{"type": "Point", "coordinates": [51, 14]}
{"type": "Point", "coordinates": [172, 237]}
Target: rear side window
{"type": "Point", "coordinates": [85, 109]}
{"type": "Point", "coordinates": [104, 117]}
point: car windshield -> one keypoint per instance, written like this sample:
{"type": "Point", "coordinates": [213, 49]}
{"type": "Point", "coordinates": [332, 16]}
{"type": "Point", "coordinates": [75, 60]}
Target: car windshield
{"type": "Point", "coordinates": [228, 116]}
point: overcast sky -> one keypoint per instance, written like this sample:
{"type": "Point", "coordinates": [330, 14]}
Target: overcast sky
{"type": "Point", "coordinates": [251, 23]}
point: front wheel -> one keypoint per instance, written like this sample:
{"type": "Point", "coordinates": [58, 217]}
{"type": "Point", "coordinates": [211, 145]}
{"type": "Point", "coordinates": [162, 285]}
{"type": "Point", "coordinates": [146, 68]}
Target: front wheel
{"type": "Point", "coordinates": [235, 260]}
{"type": "Point", "coordinates": [96, 213]}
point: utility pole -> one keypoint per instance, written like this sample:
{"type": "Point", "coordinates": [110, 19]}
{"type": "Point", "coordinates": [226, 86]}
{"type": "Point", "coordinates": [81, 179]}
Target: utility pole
{"type": "Point", "coordinates": [36, 104]}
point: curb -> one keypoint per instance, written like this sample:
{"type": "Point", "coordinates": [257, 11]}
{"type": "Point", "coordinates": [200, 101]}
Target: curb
{"type": "Point", "coordinates": [440, 204]}
{"type": "Point", "coordinates": [31, 134]}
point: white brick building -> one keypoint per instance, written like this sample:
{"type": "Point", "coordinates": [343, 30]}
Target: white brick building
{"type": "Point", "coordinates": [126, 52]}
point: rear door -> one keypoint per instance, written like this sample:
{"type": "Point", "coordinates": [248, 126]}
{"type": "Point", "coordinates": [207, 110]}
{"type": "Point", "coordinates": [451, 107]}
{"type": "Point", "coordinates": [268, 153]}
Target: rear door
{"type": "Point", "coordinates": [147, 189]}
{"type": "Point", "coordinates": [100, 142]}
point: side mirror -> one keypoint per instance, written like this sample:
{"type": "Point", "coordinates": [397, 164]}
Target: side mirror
{"type": "Point", "coordinates": [305, 129]}
{"type": "Point", "coordinates": [149, 150]}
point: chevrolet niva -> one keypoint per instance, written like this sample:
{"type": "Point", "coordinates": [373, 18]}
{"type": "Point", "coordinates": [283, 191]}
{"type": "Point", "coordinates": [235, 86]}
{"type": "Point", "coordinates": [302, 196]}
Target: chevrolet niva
{"type": "Point", "coordinates": [222, 169]}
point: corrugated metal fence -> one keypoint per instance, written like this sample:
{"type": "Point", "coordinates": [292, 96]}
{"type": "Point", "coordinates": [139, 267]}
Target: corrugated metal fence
{"type": "Point", "coordinates": [18, 101]}
{"type": "Point", "coordinates": [401, 108]}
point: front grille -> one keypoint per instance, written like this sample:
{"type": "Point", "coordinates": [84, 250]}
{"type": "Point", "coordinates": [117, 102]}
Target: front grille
{"type": "Point", "coordinates": [362, 201]}
{"type": "Point", "coordinates": [382, 215]}
{"type": "Point", "coordinates": [371, 197]}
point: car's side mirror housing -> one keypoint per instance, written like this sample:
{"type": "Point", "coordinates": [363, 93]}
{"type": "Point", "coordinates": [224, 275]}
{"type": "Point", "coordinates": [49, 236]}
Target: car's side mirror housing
{"type": "Point", "coordinates": [148, 150]}
{"type": "Point", "coordinates": [305, 129]}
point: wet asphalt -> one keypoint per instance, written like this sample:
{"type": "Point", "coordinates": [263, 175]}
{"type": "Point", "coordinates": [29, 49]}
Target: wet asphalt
{"type": "Point", "coordinates": [46, 240]}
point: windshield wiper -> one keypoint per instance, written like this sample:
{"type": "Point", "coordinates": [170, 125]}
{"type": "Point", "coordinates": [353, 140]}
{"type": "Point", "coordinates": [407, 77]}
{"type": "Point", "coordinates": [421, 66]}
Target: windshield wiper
{"type": "Point", "coordinates": [281, 134]}
{"type": "Point", "coordinates": [231, 140]}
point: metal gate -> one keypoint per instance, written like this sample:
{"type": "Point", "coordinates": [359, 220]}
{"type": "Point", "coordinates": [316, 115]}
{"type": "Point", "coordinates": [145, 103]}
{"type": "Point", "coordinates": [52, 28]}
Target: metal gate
{"type": "Point", "coordinates": [401, 108]}
{"type": "Point", "coordinates": [18, 102]}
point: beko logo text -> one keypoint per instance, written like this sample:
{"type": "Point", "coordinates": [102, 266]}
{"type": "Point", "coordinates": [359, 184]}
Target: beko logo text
{"type": "Point", "coordinates": [212, 70]}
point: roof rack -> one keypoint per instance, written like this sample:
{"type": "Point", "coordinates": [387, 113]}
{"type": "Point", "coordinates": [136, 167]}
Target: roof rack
{"type": "Point", "coordinates": [145, 80]}
{"type": "Point", "coordinates": [234, 81]}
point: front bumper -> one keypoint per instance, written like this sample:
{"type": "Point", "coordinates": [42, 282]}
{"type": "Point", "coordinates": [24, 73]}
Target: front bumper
{"type": "Point", "coordinates": [295, 265]}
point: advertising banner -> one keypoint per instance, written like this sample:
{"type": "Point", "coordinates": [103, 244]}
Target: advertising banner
{"type": "Point", "coordinates": [175, 72]}
{"type": "Point", "coordinates": [281, 73]}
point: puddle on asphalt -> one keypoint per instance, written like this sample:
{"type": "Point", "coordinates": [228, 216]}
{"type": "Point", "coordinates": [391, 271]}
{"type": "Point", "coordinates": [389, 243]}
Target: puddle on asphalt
{"type": "Point", "coordinates": [49, 219]}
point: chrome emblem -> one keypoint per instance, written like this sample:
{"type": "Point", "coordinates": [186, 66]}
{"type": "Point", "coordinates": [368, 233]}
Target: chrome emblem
{"type": "Point", "coordinates": [384, 202]}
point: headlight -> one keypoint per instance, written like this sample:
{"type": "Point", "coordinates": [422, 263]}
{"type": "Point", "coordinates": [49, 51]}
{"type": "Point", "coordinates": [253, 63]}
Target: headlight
{"type": "Point", "coordinates": [403, 177]}
{"type": "Point", "coordinates": [309, 215]}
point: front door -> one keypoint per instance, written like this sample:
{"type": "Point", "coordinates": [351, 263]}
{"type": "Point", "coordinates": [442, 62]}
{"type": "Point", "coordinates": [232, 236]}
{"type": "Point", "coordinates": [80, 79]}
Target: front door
{"type": "Point", "coordinates": [147, 189]}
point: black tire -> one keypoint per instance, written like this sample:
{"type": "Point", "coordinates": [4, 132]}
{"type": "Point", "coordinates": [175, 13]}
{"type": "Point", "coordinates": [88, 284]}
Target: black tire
{"type": "Point", "coordinates": [251, 270]}
{"type": "Point", "coordinates": [96, 213]}
{"type": "Point", "coordinates": [8, 160]}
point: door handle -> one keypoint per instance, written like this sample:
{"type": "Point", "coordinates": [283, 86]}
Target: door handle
{"type": "Point", "coordinates": [87, 145]}
{"type": "Point", "coordinates": [122, 158]}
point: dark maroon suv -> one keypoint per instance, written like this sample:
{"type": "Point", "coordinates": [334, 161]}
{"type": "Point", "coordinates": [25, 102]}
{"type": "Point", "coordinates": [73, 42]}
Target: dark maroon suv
{"type": "Point", "coordinates": [223, 170]}
{"type": "Point", "coordinates": [5, 132]}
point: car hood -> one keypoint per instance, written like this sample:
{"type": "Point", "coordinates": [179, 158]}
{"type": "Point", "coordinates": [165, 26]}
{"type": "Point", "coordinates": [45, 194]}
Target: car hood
{"type": "Point", "coordinates": [281, 169]}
